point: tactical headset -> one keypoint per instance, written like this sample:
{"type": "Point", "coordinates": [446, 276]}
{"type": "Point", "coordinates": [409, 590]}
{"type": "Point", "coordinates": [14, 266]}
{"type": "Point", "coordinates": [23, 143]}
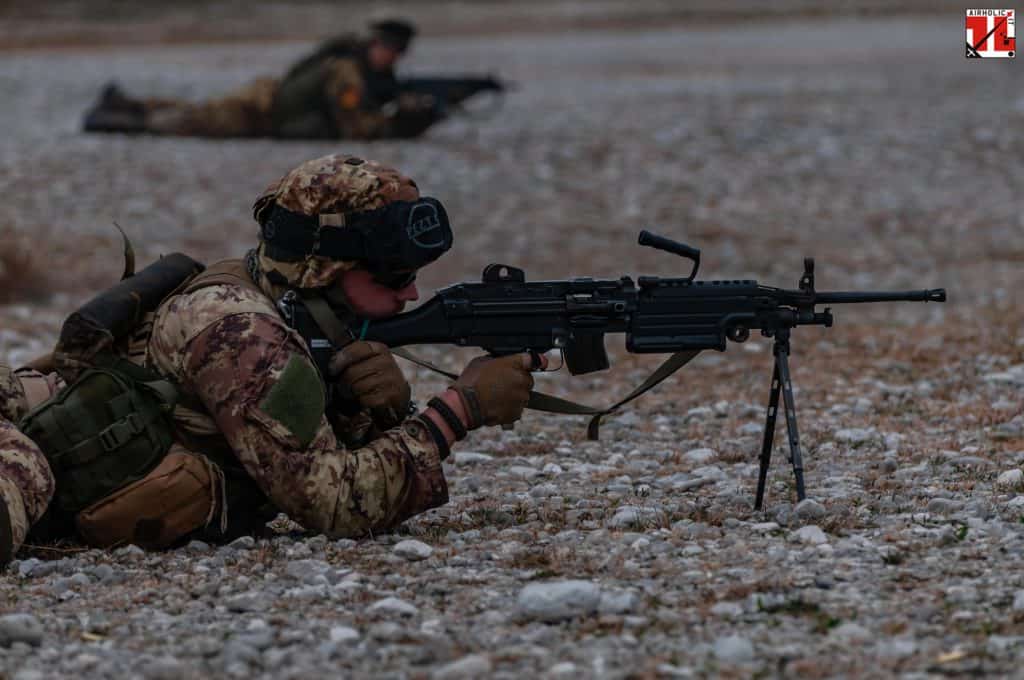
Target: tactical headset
{"type": "Point", "coordinates": [401, 236]}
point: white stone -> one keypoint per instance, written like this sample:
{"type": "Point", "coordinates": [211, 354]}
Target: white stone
{"type": "Point", "coordinates": [393, 605]}
{"type": "Point", "coordinates": [710, 472]}
{"type": "Point", "coordinates": [523, 472]}
{"type": "Point", "coordinates": [700, 456]}
{"type": "Point", "coordinates": [734, 649]}
{"type": "Point", "coordinates": [565, 669]}
{"type": "Point", "coordinates": [810, 534]}
{"type": "Point", "coordinates": [854, 435]}
{"type": "Point", "coordinates": [810, 509]}
{"type": "Point", "coordinates": [558, 600]}
{"type": "Point", "coordinates": [698, 413]}
{"type": "Point", "coordinates": [727, 610]}
{"type": "Point", "coordinates": [545, 490]}
{"type": "Point", "coordinates": [413, 550]}
{"type": "Point", "coordinates": [343, 634]}
{"type": "Point", "coordinates": [617, 602]}
{"type": "Point", "coordinates": [628, 516]}
{"type": "Point", "coordinates": [1005, 378]}
{"type": "Point", "coordinates": [471, 457]}
{"type": "Point", "coordinates": [552, 469]}
{"type": "Point", "coordinates": [850, 632]}
{"type": "Point", "coordinates": [750, 429]}
{"type": "Point", "coordinates": [472, 666]}
{"type": "Point", "coordinates": [20, 627]}
{"type": "Point", "coordinates": [897, 648]}
{"type": "Point", "coordinates": [1010, 478]}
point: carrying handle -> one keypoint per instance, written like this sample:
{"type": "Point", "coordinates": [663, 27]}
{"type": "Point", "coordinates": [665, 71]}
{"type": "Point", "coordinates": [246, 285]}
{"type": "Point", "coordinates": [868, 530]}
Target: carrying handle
{"type": "Point", "coordinates": [650, 240]}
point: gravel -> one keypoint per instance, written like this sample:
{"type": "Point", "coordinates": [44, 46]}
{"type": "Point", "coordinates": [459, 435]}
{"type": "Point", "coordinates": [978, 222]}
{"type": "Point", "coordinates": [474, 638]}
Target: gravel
{"type": "Point", "coordinates": [868, 142]}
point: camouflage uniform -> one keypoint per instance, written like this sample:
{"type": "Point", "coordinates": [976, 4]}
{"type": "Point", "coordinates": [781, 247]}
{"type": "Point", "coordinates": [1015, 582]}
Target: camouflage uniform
{"type": "Point", "coordinates": [331, 94]}
{"type": "Point", "coordinates": [251, 394]}
{"type": "Point", "coordinates": [26, 482]}
{"type": "Point", "coordinates": [230, 351]}
{"type": "Point", "coordinates": [244, 113]}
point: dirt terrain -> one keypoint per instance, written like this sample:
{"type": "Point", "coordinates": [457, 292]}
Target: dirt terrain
{"type": "Point", "coordinates": [866, 141]}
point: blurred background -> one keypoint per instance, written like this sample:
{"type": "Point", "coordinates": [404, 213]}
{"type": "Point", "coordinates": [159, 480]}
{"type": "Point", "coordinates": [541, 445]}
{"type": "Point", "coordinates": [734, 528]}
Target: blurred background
{"type": "Point", "coordinates": [853, 131]}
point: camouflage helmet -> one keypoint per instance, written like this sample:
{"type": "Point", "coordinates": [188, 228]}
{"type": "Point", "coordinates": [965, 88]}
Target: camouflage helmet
{"type": "Point", "coordinates": [332, 185]}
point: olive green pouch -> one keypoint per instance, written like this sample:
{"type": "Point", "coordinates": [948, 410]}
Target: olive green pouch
{"type": "Point", "coordinates": [107, 429]}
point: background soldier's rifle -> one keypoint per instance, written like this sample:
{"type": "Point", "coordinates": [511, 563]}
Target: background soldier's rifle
{"type": "Point", "coordinates": [451, 92]}
{"type": "Point", "coordinates": [506, 314]}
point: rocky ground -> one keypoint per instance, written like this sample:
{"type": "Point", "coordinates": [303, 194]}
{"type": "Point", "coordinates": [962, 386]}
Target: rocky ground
{"type": "Point", "coordinates": [869, 143]}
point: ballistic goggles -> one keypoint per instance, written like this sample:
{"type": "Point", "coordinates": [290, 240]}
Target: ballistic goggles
{"type": "Point", "coordinates": [401, 236]}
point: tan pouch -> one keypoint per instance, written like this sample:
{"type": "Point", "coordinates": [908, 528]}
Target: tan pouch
{"type": "Point", "coordinates": [182, 494]}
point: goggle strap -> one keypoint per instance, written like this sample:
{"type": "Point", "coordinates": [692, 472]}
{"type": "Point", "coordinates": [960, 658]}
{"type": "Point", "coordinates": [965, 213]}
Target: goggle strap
{"type": "Point", "coordinates": [290, 236]}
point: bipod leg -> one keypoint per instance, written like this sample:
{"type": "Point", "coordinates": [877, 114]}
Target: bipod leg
{"type": "Point", "coordinates": [769, 436]}
{"type": "Point", "coordinates": [782, 366]}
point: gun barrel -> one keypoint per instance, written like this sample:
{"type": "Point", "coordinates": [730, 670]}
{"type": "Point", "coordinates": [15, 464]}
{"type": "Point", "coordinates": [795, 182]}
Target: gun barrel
{"type": "Point", "coordinates": [852, 297]}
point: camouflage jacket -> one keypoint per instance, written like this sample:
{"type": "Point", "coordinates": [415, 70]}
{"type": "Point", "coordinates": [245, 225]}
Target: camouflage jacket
{"type": "Point", "coordinates": [334, 93]}
{"type": "Point", "coordinates": [254, 382]}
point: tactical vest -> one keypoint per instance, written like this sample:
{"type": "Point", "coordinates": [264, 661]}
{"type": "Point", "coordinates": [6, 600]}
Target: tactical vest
{"type": "Point", "coordinates": [252, 508]}
{"type": "Point", "coordinates": [300, 108]}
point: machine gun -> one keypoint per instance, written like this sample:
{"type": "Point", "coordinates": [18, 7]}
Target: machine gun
{"type": "Point", "coordinates": [506, 314]}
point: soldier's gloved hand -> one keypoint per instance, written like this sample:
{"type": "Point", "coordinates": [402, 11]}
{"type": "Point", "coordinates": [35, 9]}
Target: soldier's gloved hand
{"type": "Point", "coordinates": [371, 373]}
{"type": "Point", "coordinates": [494, 391]}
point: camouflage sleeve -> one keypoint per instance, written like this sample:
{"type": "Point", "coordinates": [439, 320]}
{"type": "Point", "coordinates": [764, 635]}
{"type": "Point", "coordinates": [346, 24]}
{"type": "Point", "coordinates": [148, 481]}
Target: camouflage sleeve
{"type": "Point", "coordinates": [358, 118]}
{"type": "Point", "coordinates": [259, 384]}
{"type": "Point", "coordinates": [26, 481]}
{"type": "Point", "coordinates": [347, 102]}
{"type": "Point", "coordinates": [23, 389]}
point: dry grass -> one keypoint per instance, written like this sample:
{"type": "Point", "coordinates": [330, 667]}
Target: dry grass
{"type": "Point", "coordinates": [22, 276]}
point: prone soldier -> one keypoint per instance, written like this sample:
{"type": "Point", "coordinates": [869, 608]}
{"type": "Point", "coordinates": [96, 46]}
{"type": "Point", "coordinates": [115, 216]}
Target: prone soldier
{"type": "Point", "coordinates": [345, 89]}
{"type": "Point", "coordinates": [261, 423]}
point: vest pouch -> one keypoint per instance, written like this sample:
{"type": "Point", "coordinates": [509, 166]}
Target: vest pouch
{"type": "Point", "coordinates": [181, 495]}
{"type": "Point", "coordinates": [109, 428]}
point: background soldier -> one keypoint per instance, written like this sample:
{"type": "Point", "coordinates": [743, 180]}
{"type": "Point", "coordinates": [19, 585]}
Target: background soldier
{"type": "Point", "coordinates": [345, 89]}
{"type": "Point", "coordinates": [256, 429]}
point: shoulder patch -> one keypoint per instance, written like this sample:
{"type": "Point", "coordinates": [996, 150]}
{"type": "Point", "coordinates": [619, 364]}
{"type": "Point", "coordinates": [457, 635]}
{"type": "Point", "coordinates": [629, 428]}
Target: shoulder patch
{"type": "Point", "coordinates": [350, 98]}
{"type": "Point", "coordinates": [296, 400]}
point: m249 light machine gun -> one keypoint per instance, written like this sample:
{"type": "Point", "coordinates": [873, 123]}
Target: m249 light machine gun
{"type": "Point", "coordinates": [505, 314]}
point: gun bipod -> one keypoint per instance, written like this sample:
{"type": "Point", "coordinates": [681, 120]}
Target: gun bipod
{"type": "Point", "coordinates": [781, 382]}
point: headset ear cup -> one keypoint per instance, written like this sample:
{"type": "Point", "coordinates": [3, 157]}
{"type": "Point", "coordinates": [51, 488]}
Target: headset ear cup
{"type": "Point", "coordinates": [428, 232]}
{"type": "Point", "coordinates": [448, 237]}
